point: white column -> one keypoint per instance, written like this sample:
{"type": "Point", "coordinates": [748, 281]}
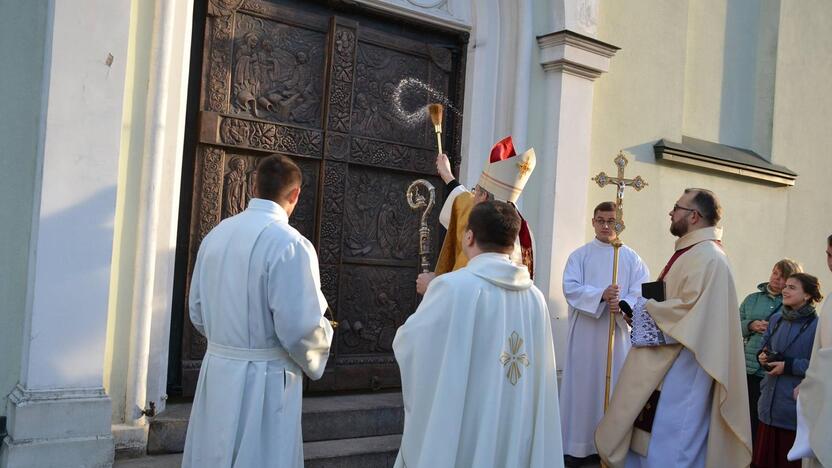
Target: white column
{"type": "Point", "coordinates": [59, 414]}
{"type": "Point", "coordinates": [571, 63]}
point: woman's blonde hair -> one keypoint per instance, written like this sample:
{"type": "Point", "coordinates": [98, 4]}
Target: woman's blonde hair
{"type": "Point", "coordinates": [788, 267]}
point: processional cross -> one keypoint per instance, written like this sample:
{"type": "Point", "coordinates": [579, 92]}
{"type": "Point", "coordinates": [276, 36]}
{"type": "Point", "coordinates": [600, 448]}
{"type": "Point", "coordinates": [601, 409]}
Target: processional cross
{"type": "Point", "coordinates": [602, 179]}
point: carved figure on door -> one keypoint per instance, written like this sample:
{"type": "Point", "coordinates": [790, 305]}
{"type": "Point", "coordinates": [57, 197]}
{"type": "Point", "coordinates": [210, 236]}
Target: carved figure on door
{"type": "Point", "coordinates": [235, 187]}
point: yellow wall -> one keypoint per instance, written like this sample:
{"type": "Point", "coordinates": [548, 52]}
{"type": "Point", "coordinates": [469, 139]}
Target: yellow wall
{"type": "Point", "coordinates": [130, 159]}
{"type": "Point", "coordinates": [802, 136]}
{"type": "Point", "coordinates": [676, 75]}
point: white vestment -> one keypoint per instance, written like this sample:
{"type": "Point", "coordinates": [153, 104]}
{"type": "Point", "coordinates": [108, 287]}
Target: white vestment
{"type": "Point", "coordinates": [477, 362]}
{"type": "Point", "coordinates": [255, 295]}
{"type": "Point", "coordinates": [588, 273]}
{"type": "Point", "coordinates": [813, 437]}
{"type": "Point", "coordinates": [680, 430]}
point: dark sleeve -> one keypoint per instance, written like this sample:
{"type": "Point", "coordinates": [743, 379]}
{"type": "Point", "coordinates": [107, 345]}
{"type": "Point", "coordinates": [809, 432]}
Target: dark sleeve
{"type": "Point", "coordinates": [745, 321]}
{"type": "Point", "coordinates": [796, 366]}
{"type": "Point", "coordinates": [766, 338]}
{"type": "Point", "coordinates": [452, 185]}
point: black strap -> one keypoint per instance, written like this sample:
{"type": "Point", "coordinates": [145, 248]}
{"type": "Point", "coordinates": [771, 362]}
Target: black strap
{"type": "Point", "coordinates": [799, 332]}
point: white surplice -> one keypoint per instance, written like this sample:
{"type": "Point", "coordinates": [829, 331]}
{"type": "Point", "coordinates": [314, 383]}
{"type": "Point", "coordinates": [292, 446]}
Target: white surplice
{"type": "Point", "coordinates": [588, 273]}
{"type": "Point", "coordinates": [255, 295]}
{"type": "Point", "coordinates": [477, 362]}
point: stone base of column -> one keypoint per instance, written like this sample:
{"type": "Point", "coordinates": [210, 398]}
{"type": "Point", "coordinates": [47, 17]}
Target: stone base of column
{"type": "Point", "coordinates": [130, 441]}
{"type": "Point", "coordinates": [58, 428]}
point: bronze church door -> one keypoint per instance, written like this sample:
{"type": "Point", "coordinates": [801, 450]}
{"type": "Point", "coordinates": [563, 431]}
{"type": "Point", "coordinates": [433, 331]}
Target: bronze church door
{"type": "Point", "coordinates": [315, 82]}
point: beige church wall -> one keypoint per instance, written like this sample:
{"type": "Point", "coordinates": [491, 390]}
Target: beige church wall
{"type": "Point", "coordinates": [23, 29]}
{"type": "Point", "coordinates": [637, 103]}
{"type": "Point", "coordinates": [673, 77]}
{"type": "Point", "coordinates": [802, 139]}
{"type": "Point", "coordinates": [730, 70]}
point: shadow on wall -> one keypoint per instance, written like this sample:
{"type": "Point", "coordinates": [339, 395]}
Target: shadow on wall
{"type": "Point", "coordinates": [748, 75]}
{"type": "Point", "coordinates": [75, 251]}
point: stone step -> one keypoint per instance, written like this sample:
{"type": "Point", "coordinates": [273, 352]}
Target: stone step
{"type": "Point", "coordinates": [365, 452]}
{"type": "Point", "coordinates": [352, 416]}
{"type": "Point", "coordinates": [362, 452]}
{"type": "Point", "coordinates": [325, 418]}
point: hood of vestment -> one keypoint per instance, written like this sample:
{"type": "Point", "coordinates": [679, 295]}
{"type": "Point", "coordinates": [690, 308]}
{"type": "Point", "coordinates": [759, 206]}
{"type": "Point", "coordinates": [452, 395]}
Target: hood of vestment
{"type": "Point", "coordinates": [694, 237]}
{"type": "Point", "coordinates": [498, 269]}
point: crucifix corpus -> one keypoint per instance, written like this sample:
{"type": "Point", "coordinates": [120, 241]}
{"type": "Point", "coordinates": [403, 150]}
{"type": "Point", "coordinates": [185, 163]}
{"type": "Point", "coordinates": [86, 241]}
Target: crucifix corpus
{"type": "Point", "coordinates": [619, 182]}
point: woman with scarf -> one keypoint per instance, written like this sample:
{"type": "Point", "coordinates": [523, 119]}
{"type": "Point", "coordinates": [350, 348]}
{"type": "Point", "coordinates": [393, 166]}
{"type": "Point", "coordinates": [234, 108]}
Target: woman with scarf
{"type": "Point", "coordinates": [755, 312]}
{"type": "Point", "coordinates": [785, 352]}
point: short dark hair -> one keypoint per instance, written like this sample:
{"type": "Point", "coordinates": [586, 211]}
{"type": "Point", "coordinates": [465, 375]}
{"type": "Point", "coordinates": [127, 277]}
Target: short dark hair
{"type": "Point", "coordinates": [495, 225]}
{"type": "Point", "coordinates": [276, 176]}
{"type": "Point", "coordinates": [707, 205]}
{"type": "Point", "coordinates": [604, 206]}
{"type": "Point", "coordinates": [810, 284]}
{"type": "Point", "coordinates": [829, 240]}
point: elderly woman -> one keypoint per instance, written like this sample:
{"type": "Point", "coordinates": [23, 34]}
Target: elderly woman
{"type": "Point", "coordinates": [755, 312]}
{"type": "Point", "coordinates": [785, 353]}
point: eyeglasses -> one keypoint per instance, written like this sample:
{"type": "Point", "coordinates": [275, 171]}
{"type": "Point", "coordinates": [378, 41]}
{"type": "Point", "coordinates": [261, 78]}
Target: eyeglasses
{"type": "Point", "coordinates": [677, 207]}
{"type": "Point", "coordinates": [604, 222]}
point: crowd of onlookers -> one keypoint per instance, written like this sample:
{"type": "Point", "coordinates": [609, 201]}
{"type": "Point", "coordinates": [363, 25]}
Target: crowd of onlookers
{"type": "Point", "coordinates": [778, 324]}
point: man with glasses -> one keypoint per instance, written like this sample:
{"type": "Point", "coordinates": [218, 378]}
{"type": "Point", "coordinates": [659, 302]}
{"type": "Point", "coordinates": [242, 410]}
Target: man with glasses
{"type": "Point", "coordinates": [591, 299]}
{"type": "Point", "coordinates": [681, 397]}
{"type": "Point", "coordinates": [503, 179]}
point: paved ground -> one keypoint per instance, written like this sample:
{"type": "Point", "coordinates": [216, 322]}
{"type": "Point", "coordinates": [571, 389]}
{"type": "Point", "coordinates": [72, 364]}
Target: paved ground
{"type": "Point", "coordinates": [156, 461]}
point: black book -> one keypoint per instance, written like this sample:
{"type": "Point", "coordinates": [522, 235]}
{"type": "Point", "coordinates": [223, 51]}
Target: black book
{"type": "Point", "coordinates": [644, 420]}
{"type": "Point", "coordinates": [654, 290]}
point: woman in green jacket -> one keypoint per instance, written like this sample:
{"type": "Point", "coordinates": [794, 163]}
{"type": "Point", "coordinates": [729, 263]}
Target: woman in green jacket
{"type": "Point", "coordinates": [755, 311]}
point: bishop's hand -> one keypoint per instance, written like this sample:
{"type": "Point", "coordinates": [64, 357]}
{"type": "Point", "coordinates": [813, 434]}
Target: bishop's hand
{"type": "Point", "coordinates": [443, 167]}
{"type": "Point", "coordinates": [422, 282]}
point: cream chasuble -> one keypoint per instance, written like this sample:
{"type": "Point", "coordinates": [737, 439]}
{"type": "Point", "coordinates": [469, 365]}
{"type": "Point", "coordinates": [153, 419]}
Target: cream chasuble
{"type": "Point", "coordinates": [814, 403]}
{"type": "Point", "coordinates": [477, 363]}
{"type": "Point", "coordinates": [700, 314]}
{"type": "Point", "coordinates": [255, 295]}
{"type": "Point", "coordinates": [587, 274]}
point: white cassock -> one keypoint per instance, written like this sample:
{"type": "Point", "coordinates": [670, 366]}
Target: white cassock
{"type": "Point", "coordinates": [255, 295]}
{"type": "Point", "coordinates": [478, 372]}
{"type": "Point", "coordinates": [588, 273]}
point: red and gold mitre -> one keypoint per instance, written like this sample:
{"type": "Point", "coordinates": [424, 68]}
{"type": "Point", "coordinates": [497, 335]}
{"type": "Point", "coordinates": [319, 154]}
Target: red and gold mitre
{"type": "Point", "coordinates": [506, 174]}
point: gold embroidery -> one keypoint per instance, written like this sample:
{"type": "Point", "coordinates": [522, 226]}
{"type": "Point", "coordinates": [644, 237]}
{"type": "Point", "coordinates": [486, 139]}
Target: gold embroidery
{"type": "Point", "coordinates": [513, 358]}
{"type": "Point", "coordinates": [525, 167]}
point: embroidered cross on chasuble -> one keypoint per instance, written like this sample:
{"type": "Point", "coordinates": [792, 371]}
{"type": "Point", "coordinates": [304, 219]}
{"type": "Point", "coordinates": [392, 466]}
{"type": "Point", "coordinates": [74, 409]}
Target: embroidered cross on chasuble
{"type": "Point", "coordinates": [513, 359]}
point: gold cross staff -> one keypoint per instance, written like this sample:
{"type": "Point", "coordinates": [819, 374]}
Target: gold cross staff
{"type": "Point", "coordinates": [620, 183]}
{"type": "Point", "coordinates": [602, 179]}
